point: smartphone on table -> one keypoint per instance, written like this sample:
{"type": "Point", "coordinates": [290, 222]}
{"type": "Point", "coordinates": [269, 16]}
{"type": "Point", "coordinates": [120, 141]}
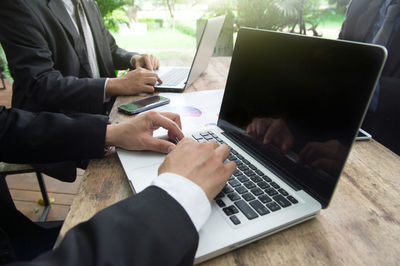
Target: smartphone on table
{"type": "Point", "coordinates": [142, 105]}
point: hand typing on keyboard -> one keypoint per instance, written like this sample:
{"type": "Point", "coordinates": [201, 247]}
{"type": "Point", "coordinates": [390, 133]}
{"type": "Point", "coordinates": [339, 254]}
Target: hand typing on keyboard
{"type": "Point", "coordinates": [202, 163]}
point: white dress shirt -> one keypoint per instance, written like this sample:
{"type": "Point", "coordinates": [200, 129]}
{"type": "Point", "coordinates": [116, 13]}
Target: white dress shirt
{"type": "Point", "coordinates": [188, 194]}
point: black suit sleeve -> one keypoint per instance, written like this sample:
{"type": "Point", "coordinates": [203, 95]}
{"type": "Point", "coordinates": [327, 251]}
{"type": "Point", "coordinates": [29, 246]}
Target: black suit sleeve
{"type": "Point", "coordinates": [150, 228]}
{"type": "Point", "coordinates": [30, 57]}
{"type": "Point", "coordinates": [27, 137]}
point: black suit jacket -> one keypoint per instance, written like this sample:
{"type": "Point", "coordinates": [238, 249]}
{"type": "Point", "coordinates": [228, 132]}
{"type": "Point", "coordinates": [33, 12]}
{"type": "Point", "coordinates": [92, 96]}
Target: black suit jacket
{"type": "Point", "coordinates": [384, 124]}
{"type": "Point", "coordinates": [150, 228]}
{"type": "Point", "coordinates": [48, 60]}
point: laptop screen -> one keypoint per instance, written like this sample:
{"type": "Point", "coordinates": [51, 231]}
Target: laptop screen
{"type": "Point", "coordinates": [296, 103]}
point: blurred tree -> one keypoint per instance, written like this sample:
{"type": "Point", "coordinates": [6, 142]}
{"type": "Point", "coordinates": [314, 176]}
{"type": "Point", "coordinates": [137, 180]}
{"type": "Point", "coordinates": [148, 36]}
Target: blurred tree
{"type": "Point", "coordinates": [280, 15]}
{"type": "Point", "coordinates": [341, 5]}
{"type": "Point", "coordinates": [113, 13]}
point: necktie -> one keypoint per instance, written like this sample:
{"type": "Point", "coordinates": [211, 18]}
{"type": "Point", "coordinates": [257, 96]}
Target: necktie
{"type": "Point", "coordinates": [86, 34]}
{"type": "Point", "coordinates": [384, 33]}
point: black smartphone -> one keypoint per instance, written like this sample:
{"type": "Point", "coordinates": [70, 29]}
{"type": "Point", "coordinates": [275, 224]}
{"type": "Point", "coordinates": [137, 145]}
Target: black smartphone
{"type": "Point", "coordinates": [141, 105]}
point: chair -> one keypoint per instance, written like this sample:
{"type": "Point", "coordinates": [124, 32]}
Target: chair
{"type": "Point", "coordinates": [12, 169]}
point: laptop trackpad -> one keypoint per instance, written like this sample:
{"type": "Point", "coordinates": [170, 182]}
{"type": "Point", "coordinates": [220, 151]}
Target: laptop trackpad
{"type": "Point", "coordinates": [140, 167]}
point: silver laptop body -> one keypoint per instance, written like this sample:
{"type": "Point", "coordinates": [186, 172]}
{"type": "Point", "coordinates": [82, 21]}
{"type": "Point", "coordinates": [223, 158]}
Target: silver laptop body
{"type": "Point", "coordinates": [318, 91]}
{"type": "Point", "coordinates": [176, 78]}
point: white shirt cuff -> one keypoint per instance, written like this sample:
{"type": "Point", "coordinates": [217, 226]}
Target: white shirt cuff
{"type": "Point", "coordinates": [105, 100]}
{"type": "Point", "coordinates": [189, 195]}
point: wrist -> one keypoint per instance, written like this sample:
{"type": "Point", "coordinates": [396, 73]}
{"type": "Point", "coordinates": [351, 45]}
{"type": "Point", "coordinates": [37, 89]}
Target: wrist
{"type": "Point", "coordinates": [112, 87]}
{"type": "Point", "coordinates": [111, 135]}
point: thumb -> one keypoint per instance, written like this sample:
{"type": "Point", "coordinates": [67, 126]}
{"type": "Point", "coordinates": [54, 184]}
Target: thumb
{"type": "Point", "coordinates": [160, 145]}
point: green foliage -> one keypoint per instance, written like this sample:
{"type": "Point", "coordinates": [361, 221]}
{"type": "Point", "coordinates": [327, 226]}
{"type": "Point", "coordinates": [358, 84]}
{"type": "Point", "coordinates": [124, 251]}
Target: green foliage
{"type": "Point", "coordinates": [185, 29]}
{"type": "Point", "coordinates": [108, 6]}
{"type": "Point", "coordinates": [263, 14]}
{"type": "Point", "coordinates": [113, 13]}
{"type": "Point", "coordinates": [116, 17]}
{"type": "Point", "coordinates": [280, 15]}
{"type": "Point", "coordinates": [3, 60]}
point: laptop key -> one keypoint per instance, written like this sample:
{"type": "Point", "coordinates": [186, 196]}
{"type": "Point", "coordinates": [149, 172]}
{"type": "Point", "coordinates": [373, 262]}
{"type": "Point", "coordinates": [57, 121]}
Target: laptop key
{"type": "Point", "coordinates": [270, 191]}
{"type": "Point", "coordinates": [234, 152]}
{"type": "Point", "coordinates": [220, 195]}
{"type": "Point", "coordinates": [248, 196]}
{"type": "Point", "coordinates": [264, 199]}
{"type": "Point", "coordinates": [266, 178]}
{"type": "Point", "coordinates": [249, 185]}
{"type": "Point", "coordinates": [283, 192]}
{"type": "Point", "coordinates": [243, 167]}
{"type": "Point", "coordinates": [238, 162]}
{"type": "Point", "coordinates": [263, 184]}
{"type": "Point", "coordinates": [234, 196]}
{"type": "Point", "coordinates": [292, 199]}
{"type": "Point", "coordinates": [241, 189]}
{"type": "Point", "coordinates": [234, 220]}
{"type": "Point", "coordinates": [259, 207]}
{"type": "Point", "coordinates": [227, 189]}
{"type": "Point", "coordinates": [220, 203]}
{"type": "Point", "coordinates": [273, 206]}
{"type": "Point", "coordinates": [258, 172]}
{"type": "Point", "coordinates": [252, 167]}
{"type": "Point", "coordinates": [197, 136]}
{"type": "Point", "coordinates": [256, 179]}
{"type": "Point", "coordinates": [237, 173]}
{"type": "Point", "coordinates": [281, 200]}
{"type": "Point", "coordinates": [230, 210]}
{"type": "Point", "coordinates": [249, 173]}
{"type": "Point", "coordinates": [257, 191]}
{"type": "Point", "coordinates": [246, 209]}
{"type": "Point", "coordinates": [243, 178]}
{"type": "Point", "coordinates": [274, 185]}
{"type": "Point", "coordinates": [245, 161]}
{"type": "Point", "coordinates": [208, 137]}
{"type": "Point", "coordinates": [234, 183]}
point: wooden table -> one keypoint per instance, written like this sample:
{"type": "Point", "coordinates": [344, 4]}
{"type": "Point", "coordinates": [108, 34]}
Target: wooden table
{"type": "Point", "coordinates": [360, 227]}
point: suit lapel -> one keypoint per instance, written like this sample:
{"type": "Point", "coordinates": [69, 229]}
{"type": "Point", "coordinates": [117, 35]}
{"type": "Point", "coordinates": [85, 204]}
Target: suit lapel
{"type": "Point", "coordinates": [59, 11]}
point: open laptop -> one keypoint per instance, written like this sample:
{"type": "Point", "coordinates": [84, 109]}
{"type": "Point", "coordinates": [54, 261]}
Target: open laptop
{"type": "Point", "coordinates": [309, 95]}
{"type": "Point", "coordinates": [176, 79]}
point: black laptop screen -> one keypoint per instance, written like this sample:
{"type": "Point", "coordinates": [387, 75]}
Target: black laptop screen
{"type": "Point", "coordinates": [297, 103]}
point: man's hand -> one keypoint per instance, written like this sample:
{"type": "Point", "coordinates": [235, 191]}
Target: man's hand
{"type": "Point", "coordinates": [134, 82]}
{"type": "Point", "coordinates": [270, 130]}
{"type": "Point", "coordinates": [147, 61]}
{"type": "Point", "coordinates": [202, 163]}
{"type": "Point", "coordinates": [137, 133]}
{"type": "Point", "coordinates": [328, 155]}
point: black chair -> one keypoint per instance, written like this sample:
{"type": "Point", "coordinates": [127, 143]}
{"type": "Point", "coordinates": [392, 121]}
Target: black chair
{"type": "Point", "coordinates": [12, 169]}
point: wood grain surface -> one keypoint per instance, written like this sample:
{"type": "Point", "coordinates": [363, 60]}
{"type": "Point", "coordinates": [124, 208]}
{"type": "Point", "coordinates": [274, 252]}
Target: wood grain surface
{"type": "Point", "coordinates": [361, 226]}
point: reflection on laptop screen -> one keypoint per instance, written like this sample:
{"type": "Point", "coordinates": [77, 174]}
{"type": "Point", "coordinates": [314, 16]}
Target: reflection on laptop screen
{"type": "Point", "coordinates": [297, 102]}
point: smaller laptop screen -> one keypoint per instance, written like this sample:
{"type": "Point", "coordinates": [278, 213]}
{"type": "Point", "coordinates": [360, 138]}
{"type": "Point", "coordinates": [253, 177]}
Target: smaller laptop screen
{"type": "Point", "coordinates": [297, 103]}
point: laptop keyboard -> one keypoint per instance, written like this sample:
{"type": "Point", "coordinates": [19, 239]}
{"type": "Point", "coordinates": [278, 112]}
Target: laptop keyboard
{"type": "Point", "coordinates": [174, 77]}
{"type": "Point", "coordinates": [253, 193]}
